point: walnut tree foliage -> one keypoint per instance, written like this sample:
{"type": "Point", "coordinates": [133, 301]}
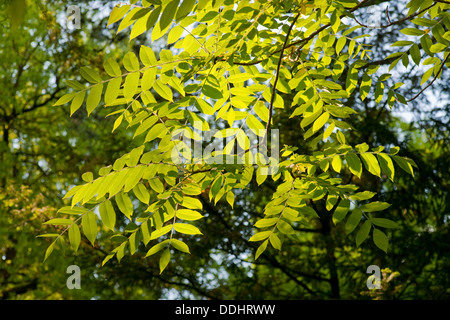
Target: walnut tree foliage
{"type": "Point", "coordinates": [230, 66]}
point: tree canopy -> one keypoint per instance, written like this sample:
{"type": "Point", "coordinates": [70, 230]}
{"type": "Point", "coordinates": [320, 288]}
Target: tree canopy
{"type": "Point", "coordinates": [258, 141]}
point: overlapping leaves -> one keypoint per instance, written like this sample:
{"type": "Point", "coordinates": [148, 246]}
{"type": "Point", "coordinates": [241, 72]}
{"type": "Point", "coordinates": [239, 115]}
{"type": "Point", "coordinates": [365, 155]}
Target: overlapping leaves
{"type": "Point", "coordinates": [233, 63]}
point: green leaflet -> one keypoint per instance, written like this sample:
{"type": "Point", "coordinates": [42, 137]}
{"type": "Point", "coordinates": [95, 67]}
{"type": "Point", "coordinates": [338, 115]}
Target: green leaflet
{"type": "Point", "coordinates": [145, 125]}
{"type": "Point", "coordinates": [141, 192]}
{"type": "Point", "coordinates": [107, 214]}
{"type": "Point", "coordinates": [275, 241]}
{"type": "Point", "coordinates": [371, 163]}
{"type": "Point", "coordinates": [211, 92]}
{"type": "Point", "coordinates": [157, 247]}
{"type": "Point", "coordinates": [140, 26]}
{"type": "Point", "coordinates": [188, 215]}
{"type": "Point", "coordinates": [117, 13]}
{"type": "Point", "coordinates": [186, 228]}
{"type": "Point", "coordinates": [341, 210]}
{"type": "Point", "coordinates": [160, 232]}
{"type": "Point", "coordinates": [148, 79]}
{"type": "Point", "coordinates": [77, 101]}
{"type": "Point", "coordinates": [385, 223]}
{"type": "Point", "coordinates": [405, 164]}
{"type": "Point", "coordinates": [130, 86]}
{"type": "Point", "coordinates": [90, 75]}
{"type": "Point", "coordinates": [89, 226]}
{"type": "Point", "coordinates": [94, 98]}
{"type": "Point", "coordinates": [112, 90]}
{"type": "Point", "coordinates": [184, 9]}
{"type": "Point", "coordinates": [375, 206]}
{"type": "Point", "coordinates": [354, 164]}
{"type": "Point", "coordinates": [134, 176]}
{"type": "Point", "coordinates": [262, 247]}
{"type": "Point", "coordinates": [59, 222]}
{"type": "Point", "coordinates": [131, 62]}
{"type": "Point", "coordinates": [163, 90]}
{"type": "Point", "coordinates": [220, 72]}
{"type": "Point", "coordinates": [168, 14]}
{"type": "Point", "coordinates": [363, 233]}
{"type": "Point", "coordinates": [380, 239]}
{"type": "Point", "coordinates": [65, 99]}
{"type": "Point", "coordinates": [112, 68]}
{"type": "Point", "coordinates": [164, 260]}
{"type": "Point", "coordinates": [49, 250]}
{"type": "Point", "coordinates": [353, 221]}
{"type": "Point", "coordinates": [320, 121]}
{"type": "Point", "coordinates": [147, 56]}
{"type": "Point", "coordinates": [386, 165]}
{"type": "Point", "coordinates": [156, 185]}
{"type": "Point", "coordinates": [256, 126]}
{"type": "Point", "coordinates": [72, 210]}
{"type": "Point", "coordinates": [192, 203]}
{"type": "Point", "coordinates": [74, 237]}
{"type": "Point", "coordinates": [124, 203]}
{"type": "Point", "coordinates": [180, 245]}
{"type": "Point", "coordinates": [260, 236]}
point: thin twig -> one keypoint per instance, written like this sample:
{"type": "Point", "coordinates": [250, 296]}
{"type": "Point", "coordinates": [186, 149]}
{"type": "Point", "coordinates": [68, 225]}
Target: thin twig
{"type": "Point", "coordinates": [434, 79]}
{"type": "Point", "coordinates": [277, 75]}
{"type": "Point", "coordinates": [395, 22]}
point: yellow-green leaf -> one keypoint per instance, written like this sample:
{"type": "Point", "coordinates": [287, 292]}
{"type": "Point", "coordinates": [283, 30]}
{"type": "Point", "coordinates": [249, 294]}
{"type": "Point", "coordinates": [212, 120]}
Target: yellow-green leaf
{"type": "Point", "coordinates": [94, 98]}
{"type": "Point", "coordinates": [179, 245]}
{"type": "Point", "coordinates": [89, 226]}
{"type": "Point", "coordinates": [320, 121]}
{"type": "Point", "coordinates": [130, 86]}
{"type": "Point", "coordinates": [386, 165]}
{"type": "Point", "coordinates": [107, 214]}
{"type": "Point", "coordinates": [112, 90]}
{"type": "Point", "coordinates": [275, 241]}
{"type": "Point", "coordinates": [186, 228]}
{"type": "Point", "coordinates": [163, 90]}
{"type": "Point", "coordinates": [112, 68]}
{"type": "Point", "coordinates": [131, 62]}
{"type": "Point", "coordinates": [74, 237]}
{"type": "Point", "coordinates": [260, 236]}
{"type": "Point", "coordinates": [77, 101]}
{"type": "Point", "coordinates": [164, 260]}
{"type": "Point", "coordinates": [188, 215]}
{"type": "Point", "coordinates": [261, 249]}
{"type": "Point", "coordinates": [141, 192]}
{"type": "Point", "coordinates": [117, 13]}
{"type": "Point", "coordinates": [140, 26]}
{"type": "Point", "coordinates": [371, 163]}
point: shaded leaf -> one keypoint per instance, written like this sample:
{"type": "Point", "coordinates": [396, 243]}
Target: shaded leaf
{"type": "Point", "coordinates": [380, 239]}
{"type": "Point", "coordinates": [363, 233]}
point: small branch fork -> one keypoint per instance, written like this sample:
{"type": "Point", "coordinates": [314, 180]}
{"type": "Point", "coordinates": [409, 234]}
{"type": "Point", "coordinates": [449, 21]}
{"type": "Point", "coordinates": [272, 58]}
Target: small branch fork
{"type": "Point", "coordinates": [391, 23]}
{"type": "Point", "coordinates": [434, 79]}
{"type": "Point", "coordinates": [277, 75]}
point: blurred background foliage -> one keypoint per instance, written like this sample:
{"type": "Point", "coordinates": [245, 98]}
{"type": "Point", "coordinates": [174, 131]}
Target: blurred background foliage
{"type": "Point", "coordinates": [44, 151]}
